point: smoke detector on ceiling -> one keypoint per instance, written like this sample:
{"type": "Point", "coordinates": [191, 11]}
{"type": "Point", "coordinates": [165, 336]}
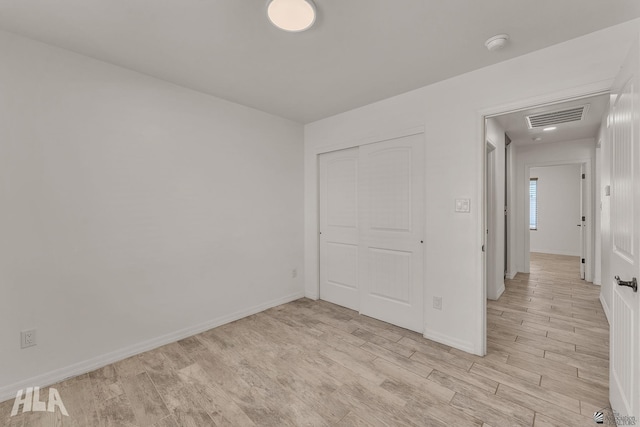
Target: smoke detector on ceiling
{"type": "Point", "coordinates": [497, 42]}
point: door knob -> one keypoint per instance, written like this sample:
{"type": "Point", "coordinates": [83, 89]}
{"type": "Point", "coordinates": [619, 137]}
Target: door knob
{"type": "Point", "coordinates": [633, 284]}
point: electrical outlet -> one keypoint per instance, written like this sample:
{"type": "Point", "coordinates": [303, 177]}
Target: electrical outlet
{"type": "Point", "coordinates": [27, 338]}
{"type": "Point", "coordinates": [294, 273]}
{"type": "Point", "coordinates": [437, 303]}
{"type": "Point", "coordinates": [463, 205]}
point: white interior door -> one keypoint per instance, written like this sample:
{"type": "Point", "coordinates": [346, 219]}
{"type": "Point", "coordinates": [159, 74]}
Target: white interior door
{"type": "Point", "coordinates": [625, 230]}
{"type": "Point", "coordinates": [339, 238]}
{"type": "Point", "coordinates": [392, 231]}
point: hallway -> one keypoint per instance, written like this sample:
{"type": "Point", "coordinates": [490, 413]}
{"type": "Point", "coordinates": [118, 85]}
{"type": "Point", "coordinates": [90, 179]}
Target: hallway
{"type": "Point", "coordinates": [552, 325]}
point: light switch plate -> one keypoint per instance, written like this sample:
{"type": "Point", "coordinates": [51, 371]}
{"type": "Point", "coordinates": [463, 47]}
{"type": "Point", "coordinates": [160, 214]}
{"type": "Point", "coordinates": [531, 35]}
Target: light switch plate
{"type": "Point", "coordinates": [463, 205]}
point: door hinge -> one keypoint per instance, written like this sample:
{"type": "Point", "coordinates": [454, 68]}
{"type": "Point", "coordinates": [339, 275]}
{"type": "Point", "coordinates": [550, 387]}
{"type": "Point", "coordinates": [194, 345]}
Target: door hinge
{"type": "Point", "coordinates": [482, 248]}
{"type": "Point", "coordinates": [583, 176]}
{"type": "Point", "coordinates": [583, 260]}
{"type": "Point", "coordinates": [584, 218]}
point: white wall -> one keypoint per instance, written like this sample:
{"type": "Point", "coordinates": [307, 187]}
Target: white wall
{"type": "Point", "coordinates": [606, 291]}
{"type": "Point", "coordinates": [451, 114]}
{"type": "Point", "coordinates": [495, 134]}
{"type": "Point", "coordinates": [134, 212]}
{"type": "Point", "coordinates": [559, 153]}
{"type": "Point", "coordinates": [558, 210]}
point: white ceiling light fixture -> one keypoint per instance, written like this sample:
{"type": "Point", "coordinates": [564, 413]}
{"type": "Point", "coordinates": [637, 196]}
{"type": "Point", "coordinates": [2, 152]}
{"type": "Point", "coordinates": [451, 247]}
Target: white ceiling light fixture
{"type": "Point", "coordinates": [292, 15]}
{"type": "Point", "coordinates": [550, 128]}
{"type": "Point", "coordinates": [497, 42]}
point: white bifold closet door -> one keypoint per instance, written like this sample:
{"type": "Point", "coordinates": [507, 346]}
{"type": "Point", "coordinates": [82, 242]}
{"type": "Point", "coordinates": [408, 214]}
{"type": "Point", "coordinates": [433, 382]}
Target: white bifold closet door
{"type": "Point", "coordinates": [372, 230]}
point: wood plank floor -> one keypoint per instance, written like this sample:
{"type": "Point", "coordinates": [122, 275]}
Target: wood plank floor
{"type": "Point", "coordinates": [315, 363]}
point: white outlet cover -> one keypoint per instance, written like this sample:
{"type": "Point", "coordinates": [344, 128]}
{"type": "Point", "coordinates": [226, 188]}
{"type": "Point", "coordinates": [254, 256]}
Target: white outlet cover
{"type": "Point", "coordinates": [463, 205]}
{"type": "Point", "coordinates": [28, 338]}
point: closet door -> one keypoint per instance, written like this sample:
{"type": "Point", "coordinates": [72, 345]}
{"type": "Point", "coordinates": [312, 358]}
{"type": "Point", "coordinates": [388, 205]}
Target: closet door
{"type": "Point", "coordinates": [392, 231]}
{"type": "Point", "coordinates": [339, 238]}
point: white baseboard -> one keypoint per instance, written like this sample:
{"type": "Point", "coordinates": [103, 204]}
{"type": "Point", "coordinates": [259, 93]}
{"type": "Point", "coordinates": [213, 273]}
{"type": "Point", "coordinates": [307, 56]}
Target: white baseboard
{"type": "Point", "coordinates": [554, 252]}
{"type": "Point", "coordinates": [510, 276]}
{"type": "Point", "coordinates": [447, 340]}
{"type": "Point", "coordinates": [55, 376]}
{"type": "Point", "coordinates": [498, 293]}
{"type": "Point", "coordinates": [605, 307]}
{"type": "Point", "coordinates": [312, 295]}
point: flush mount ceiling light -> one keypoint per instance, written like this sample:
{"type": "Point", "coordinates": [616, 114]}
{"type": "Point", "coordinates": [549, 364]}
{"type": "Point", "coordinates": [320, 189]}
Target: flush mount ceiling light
{"type": "Point", "coordinates": [497, 42]}
{"type": "Point", "coordinates": [292, 15]}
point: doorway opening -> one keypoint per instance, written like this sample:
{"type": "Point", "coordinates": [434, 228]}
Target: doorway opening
{"type": "Point", "coordinates": [558, 207]}
{"type": "Point", "coordinates": [525, 145]}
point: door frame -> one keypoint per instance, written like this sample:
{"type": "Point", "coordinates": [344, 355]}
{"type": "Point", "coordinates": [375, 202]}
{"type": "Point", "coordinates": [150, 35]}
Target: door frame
{"type": "Point", "coordinates": [312, 274]}
{"type": "Point", "coordinates": [562, 95]}
{"type": "Point", "coordinates": [490, 215]}
{"type": "Point", "coordinates": [588, 244]}
{"type": "Point", "coordinates": [508, 203]}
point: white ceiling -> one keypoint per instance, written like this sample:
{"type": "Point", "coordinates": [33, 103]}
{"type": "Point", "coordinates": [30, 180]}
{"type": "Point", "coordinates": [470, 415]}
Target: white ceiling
{"type": "Point", "coordinates": [515, 124]}
{"type": "Point", "coordinates": [359, 51]}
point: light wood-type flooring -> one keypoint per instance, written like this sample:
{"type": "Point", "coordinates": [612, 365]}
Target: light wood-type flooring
{"type": "Point", "coordinates": [315, 363]}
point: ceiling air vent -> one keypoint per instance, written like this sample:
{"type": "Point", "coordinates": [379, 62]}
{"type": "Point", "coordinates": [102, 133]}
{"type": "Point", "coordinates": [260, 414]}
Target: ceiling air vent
{"type": "Point", "coordinates": [553, 118]}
